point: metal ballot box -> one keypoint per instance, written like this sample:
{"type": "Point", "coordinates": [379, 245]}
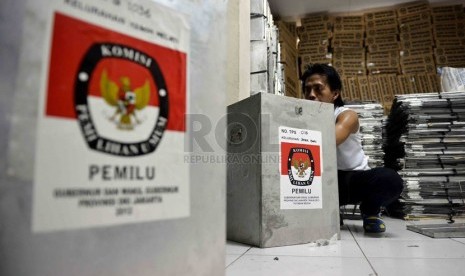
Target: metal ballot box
{"type": "Point", "coordinates": [282, 173]}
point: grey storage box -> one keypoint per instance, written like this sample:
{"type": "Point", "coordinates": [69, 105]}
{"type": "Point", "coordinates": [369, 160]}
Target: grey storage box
{"type": "Point", "coordinates": [111, 238]}
{"type": "Point", "coordinates": [282, 172]}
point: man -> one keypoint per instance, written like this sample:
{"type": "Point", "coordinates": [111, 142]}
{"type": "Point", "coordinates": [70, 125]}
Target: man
{"type": "Point", "coordinates": [358, 183]}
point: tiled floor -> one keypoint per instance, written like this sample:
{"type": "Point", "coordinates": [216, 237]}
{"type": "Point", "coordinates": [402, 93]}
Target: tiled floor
{"type": "Point", "coordinates": [396, 252]}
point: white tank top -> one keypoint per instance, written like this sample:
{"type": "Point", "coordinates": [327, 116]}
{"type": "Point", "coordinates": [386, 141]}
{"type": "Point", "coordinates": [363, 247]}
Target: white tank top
{"type": "Point", "coordinates": [350, 154]}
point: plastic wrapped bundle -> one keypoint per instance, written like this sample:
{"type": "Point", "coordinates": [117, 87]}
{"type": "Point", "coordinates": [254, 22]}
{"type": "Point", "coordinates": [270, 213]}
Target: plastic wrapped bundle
{"type": "Point", "coordinates": [371, 118]}
{"type": "Point", "coordinates": [371, 129]}
{"type": "Point", "coordinates": [424, 141]}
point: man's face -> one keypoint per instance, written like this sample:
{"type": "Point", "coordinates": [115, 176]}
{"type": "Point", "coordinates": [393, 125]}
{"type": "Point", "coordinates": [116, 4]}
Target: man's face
{"type": "Point", "coordinates": [317, 89]}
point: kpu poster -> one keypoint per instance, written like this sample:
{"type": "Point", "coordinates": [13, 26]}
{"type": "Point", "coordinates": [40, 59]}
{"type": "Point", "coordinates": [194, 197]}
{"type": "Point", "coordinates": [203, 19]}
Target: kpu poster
{"type": "Point", "coordinates": [111, 123]}
{"type": "Point", "coordinates": [300, 168]}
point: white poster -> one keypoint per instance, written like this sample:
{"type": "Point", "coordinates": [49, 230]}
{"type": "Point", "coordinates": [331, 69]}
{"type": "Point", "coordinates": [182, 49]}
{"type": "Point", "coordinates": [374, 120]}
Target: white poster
{"type": "Point", "coordinates": [111, 124]}
{"type": "Point", "coordinates": [301, 168]}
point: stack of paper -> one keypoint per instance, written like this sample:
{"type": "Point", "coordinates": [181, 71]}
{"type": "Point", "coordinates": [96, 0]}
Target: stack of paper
{"type": "Point", "coordinates": [425, 142]}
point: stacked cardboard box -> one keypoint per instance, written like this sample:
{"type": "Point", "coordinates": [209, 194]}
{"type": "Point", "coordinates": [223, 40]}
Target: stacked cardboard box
{"type": "Point", "coordinates": [351, 89]}
{"type": "Point", "coordinates": [449, 34]}
{"type": "Point", "coordinates": [382, 42]}
{"type": "Point", "coordinates": [288, 58]}
{"type": "Point", "coordinates": [413, 83]}
{"type": "Point", "coordinates": [364, 88]}
{"type": "Point", "coordinates": [387, 51]}
{"type": "Point", "coordinates": [382, 58]}
{"type": "Point", "coordinates": [314, 36]}
{"type": "Point", "coordinates": [389, 88]}
{"type": "Point", "coordinates": [416, 35]}
{"type": "Point", "coordinates": [347, 46]}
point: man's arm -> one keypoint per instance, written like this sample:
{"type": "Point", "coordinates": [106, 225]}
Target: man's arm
{"type": "Point", "coordinates": [346, 123]}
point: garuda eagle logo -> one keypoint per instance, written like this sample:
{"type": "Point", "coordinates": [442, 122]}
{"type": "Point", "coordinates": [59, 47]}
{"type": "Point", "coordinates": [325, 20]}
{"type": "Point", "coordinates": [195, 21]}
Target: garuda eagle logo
{"type": "Point", "coordinates": [300, 166]}
{"type": "Point", "coordinates": [125, 100]}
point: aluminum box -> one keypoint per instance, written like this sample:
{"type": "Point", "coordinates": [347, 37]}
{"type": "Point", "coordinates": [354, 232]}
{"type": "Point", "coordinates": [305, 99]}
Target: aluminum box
{"type": "Point", "coordinates": [262, 209]}
{"type": "Point", "coordinates": [191, 245]}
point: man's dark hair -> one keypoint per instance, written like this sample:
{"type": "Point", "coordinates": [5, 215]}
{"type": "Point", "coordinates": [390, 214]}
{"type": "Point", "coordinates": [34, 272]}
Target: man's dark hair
{"type": "Point", "coordinates": [334, 81]}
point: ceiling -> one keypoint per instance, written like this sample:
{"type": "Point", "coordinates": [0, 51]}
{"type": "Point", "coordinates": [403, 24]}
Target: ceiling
{"type": "Point", "coordinates": [292, 10]}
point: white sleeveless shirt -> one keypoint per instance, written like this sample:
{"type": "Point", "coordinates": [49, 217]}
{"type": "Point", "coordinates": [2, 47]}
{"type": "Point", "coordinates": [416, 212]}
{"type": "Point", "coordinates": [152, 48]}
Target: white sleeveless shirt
{"type": "Point", "coordinates": [350, 154]}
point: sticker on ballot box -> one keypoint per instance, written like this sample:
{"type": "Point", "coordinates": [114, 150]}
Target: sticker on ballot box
{"type": "Point", "coordinates": [301, 167]}
{"type": "Point", "coordinates": [112, 112]}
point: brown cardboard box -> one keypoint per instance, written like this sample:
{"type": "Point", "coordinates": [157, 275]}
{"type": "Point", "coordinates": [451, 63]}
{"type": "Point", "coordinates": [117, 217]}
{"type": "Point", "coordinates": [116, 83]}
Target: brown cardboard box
{"type": "Point", "coordinates": [350, 72]}
{"type": "Point", "coordinates": [345, 93]}
{"type": "Point", "coordinates": [416, 26]}
{"type": "Point", "coordinates": [412, 8]}
{"type": "Point", "coordinates": [381, 39]}
{"type": "Point", "coordinates": [375, 88]}
{"type": "Point", "coordinates": [449, 33]}
{"type": "Point", "coordinates": [315, 56]}
{"type": "Point", "coordinates": [288, 55]}
{"type": "Point", "coordinates": [383, 55]}
{"type": "Point", "coordinates": [383, 63]}
{"type": "Point", "coordinates": [415, 69]}
{"type": "Point", "coordinates": [291, 72]}
{"type": "Point", "coordinates": [434, 82]}
{"type": "Point", "coordinates": [446, 9]}
{"type": "Point", "coordinates": [425, 83]}
{"type": "Point", "coordinates": [349, 19]}
{"type": "Point", "coordinates": [308, 49]}
{"type": "Point", "coordinates": [286, 36]}
{"type": "Point", "coordinates": [290, 91]}
{"type": "Point", "coordinates": [383, 14]}
{"type": "Point", "coordinates": [449, 25]}
{"type": "Point", "coordinates": [348, 27]}
{"type": "Point", "coordinates": [386, 92]}
{"type": "Point", "coordinates": [313, 36]}
{"type": "Point", "coordinates": [350, 89]}
{"type": "Point", "coordinates": [339, 49]}
{"type": "Point", "coordinates": [312, 30]}
{"type": "Point", "coordinates": [316, 28]}
{"type": "Point", "coordinates": [383, 70]}
{"type": "Point", "coordinates": [449, 51]}
{"type": "Point", "coordinates": [358, 54]}
{"type": "Point", "coordinates": [310, 39]}
{"type": "Point", "coordinates": [450, 42]}
{"type": "Point", "coordinates": [364, 87]}
{"type": "Point", "coordinates": [437, 18]}
{"type": "Point", "coordinates": [405, 83]}
{"type": "Point", "coordinates": [394, 82]}
{"type": "Point", "coordinates": [291, 27]}
{"type": "Point", "coordinates": [416, 86]}
{"type": "Point", "coordinates": [381, 23]}
{"type": "Point", "coordinates": [315, 19]}
{"type": "Point", "coordinates": [393, 30]}
{"type": "Point", "coordinates": [349, 64]}
{"type": "Point", "coordinates": [414, 44]}
{"type": "Point", "coordinates": [394, 45]}
{"type": "Point", "coordinates": [288, 27]}
{"type": "Point", "coordinates": [354, 88]}
{"type": "Point", "coordinates": [415, 18]}
{"type": "Point", "coordinates": [425, 50]}
{"type": "Point", "coordinates": [342, 43]}
{"type": "Point", "coordinates": [309, 59]}
{"type": "Point", "coordinates": [417, 60]}
{"type": "Point", "coordinates": [356, 35]}
{"type": "Point", "coordinates": [451, 60]}
{"type": "Point", "coordinates": [291, 78]}
{"type": "Point", "coordinates": [418, 35]}
{"type": "Point", "coordinates": [421, 81]}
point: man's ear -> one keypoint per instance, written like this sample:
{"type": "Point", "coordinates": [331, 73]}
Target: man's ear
{"type": "Point", "coordinates": [336, 94]}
